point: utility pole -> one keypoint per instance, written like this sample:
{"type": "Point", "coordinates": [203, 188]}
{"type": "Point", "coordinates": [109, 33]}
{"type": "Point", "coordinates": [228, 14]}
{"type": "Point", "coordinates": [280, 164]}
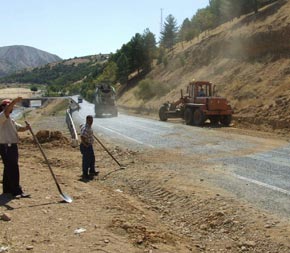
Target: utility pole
{"type": "Point", "coordinates": [161, 20]}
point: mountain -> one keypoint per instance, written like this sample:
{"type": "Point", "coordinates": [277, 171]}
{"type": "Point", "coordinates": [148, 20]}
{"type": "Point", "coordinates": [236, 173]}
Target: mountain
{"type": "Point", "coordinates": [14, 58]}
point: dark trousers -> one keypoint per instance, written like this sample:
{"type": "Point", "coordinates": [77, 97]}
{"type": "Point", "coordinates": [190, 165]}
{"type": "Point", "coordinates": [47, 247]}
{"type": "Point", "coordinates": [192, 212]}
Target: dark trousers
{"type": "Point", "coordinates": [88, 162]}
{"type": "Point", "coordinates": [11, 176]}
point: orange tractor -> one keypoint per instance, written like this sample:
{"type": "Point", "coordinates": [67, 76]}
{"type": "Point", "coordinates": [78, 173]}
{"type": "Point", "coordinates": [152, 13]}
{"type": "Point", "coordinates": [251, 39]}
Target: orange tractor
{"type": "Point", "coordinates": [198, 105]}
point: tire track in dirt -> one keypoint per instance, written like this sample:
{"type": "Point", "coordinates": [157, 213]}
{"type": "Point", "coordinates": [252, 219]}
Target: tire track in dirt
{"type": "Point", "coordinates": [209, 218]}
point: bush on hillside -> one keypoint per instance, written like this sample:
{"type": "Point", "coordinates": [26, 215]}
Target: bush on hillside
{"type": "Point", "coordinates": [34, 88]}
{"type": "Point", "coordinates": [149, 88]}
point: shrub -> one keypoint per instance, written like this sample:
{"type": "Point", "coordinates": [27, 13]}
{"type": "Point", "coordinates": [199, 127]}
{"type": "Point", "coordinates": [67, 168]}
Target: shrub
{"type": "Point", "coordinates": [34, 88]}
{"type": "Point", "coordinates": [149, 88]}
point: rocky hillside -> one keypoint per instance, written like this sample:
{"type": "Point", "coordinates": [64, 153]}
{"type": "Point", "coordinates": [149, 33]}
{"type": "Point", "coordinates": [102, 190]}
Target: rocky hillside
{"type": "Point", "coordinates": [248, 59]}
{"type": "Point", "coordinates": [14, 58]}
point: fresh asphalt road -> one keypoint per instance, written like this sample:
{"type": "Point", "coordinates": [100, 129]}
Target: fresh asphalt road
{"type": "Point", "coordinates": [253, 168]}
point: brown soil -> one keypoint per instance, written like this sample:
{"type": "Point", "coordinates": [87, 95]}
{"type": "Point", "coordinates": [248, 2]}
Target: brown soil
{"type": "Point", "coordinates": [143, 208]}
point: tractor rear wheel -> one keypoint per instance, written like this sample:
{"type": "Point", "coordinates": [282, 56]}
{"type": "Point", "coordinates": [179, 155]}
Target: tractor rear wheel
{"type": "Point", "coordinates": [188, 116]}
{"type": "Point", "coordinates": [198, 117]}
{"type": "Point", "coordinates": [226, 120]}
{"type": "Point", "coordinates": [162, 113]}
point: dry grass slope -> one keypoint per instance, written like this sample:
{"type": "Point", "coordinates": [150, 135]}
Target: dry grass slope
{"type": "Point", "coordinates": [248, 59]}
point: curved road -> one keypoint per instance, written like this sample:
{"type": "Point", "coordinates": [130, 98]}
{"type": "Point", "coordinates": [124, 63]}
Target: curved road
{"type": "Point", "coordinates": [253, 168]}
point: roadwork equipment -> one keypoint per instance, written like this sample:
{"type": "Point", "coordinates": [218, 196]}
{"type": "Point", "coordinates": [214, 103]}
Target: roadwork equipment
{"type": "Point", "coordinates": [64, 196]}
{"type": "Point", "coordinates": [200, 104]}
{"type": "Point", "coordinates": [105, 101]}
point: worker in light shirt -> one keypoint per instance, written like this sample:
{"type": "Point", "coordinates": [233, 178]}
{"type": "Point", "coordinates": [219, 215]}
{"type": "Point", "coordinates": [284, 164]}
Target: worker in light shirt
{"type": "Point", "coordinates": [9, 150]}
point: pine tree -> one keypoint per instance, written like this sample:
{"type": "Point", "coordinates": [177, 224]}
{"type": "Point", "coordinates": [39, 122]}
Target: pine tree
{"type": "Point", "coordinates": [137, 53]}
{"type": "Point", "coordinates": [186, 32]}
{"type": "Point", "coordinates": [150, 49]}
{"type": "Point", "coordinates": [169, 32]}
{"type": "Point", "coordinates": [123, 69]}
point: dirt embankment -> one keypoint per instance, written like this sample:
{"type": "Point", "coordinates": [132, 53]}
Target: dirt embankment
{"type": "Point", "coordinates": [248, 59]}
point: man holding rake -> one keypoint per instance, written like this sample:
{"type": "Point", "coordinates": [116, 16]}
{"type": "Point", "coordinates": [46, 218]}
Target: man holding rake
{"type": "Point", "coordinates": [87, 150]}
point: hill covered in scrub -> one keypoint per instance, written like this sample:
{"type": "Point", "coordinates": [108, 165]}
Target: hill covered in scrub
{"type": "Point", "coordinates": [14, 58]}
{"type": "Point", "coordinates": [247, 58]}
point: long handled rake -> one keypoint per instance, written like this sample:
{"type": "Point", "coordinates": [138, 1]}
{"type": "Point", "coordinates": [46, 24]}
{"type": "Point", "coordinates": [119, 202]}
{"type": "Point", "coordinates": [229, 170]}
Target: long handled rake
{"type": "Point", "coordinates": [64, 196]}
{"type": "Point", "coordinates": [121, 167]}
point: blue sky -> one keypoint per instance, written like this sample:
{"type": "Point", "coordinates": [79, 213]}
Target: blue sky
{"type": "Point", "coordinates": [75, 28]}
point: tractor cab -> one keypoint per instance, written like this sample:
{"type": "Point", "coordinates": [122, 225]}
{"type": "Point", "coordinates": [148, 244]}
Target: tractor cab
{"type": "Point", "coordinates": [200, 89]}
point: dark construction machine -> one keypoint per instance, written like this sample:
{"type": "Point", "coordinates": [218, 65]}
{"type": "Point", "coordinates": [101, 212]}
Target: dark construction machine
{"type": "Point", "coordinates": [198, 105]}
{"type": "Point", "coordinates": [105, 101]}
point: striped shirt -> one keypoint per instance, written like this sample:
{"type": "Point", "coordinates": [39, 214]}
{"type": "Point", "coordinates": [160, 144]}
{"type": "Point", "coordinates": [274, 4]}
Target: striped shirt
{"type": "Point", "coordinates": [87, 134]}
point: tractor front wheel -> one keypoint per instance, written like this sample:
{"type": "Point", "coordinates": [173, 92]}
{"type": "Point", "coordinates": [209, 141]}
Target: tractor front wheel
{"type": "Point", "coordinates": [162, 113]}
{"type": "Point", "coordinates": [198, 117]}
{"type": "Point", "coordinates": [188, 116]}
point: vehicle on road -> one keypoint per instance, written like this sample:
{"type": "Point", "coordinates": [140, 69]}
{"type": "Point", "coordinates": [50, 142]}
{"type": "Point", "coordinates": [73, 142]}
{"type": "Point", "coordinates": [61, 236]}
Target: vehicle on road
{"type": "Point", "coordinates": [80, 99]}
{"type": "Point", "coordinates": [200, 104]}
{"type": "Point", "coordinates": [105, 101]}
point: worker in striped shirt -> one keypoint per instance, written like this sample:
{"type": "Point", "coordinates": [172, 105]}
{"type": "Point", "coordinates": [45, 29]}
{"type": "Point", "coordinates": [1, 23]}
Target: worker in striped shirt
{"type": "Point", "coordinates": [87, 150]}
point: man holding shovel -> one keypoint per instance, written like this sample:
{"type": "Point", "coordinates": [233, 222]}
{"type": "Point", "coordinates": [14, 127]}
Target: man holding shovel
{"type": "Point", "coordinates": [87, 150]}
{"type": "Point", "coordinates": [9, 149]}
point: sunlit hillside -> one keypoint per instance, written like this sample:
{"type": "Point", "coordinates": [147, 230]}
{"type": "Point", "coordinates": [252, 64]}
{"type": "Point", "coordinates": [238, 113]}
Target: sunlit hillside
{"type": "Point", "coordinates": [248, 59]}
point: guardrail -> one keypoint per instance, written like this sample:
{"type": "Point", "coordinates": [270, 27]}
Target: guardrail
{"type": "Point", "coordinates": [71, 128]}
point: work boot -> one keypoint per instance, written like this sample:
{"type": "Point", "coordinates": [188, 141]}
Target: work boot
{"type": "Point", "coordinates": [93, 174]}
{"type": "Point", "coordinates": [85, 178]}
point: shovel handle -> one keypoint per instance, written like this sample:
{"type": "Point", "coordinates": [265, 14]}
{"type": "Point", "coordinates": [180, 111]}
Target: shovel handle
{"type": "Point", "coordinates": [46, 160]}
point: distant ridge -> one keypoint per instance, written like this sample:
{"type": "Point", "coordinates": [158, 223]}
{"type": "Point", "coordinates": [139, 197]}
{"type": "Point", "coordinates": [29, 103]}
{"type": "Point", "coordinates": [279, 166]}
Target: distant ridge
{"type": "Point", "coordinates": [15, 58]}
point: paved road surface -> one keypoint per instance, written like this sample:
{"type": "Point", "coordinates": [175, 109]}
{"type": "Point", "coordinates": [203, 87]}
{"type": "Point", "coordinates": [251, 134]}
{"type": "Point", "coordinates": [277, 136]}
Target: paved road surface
{"type": "Point", "coordinates": [255, 169]}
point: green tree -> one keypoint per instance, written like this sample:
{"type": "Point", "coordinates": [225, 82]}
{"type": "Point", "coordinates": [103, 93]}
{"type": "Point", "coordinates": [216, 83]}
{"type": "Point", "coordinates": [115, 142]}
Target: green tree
{"type": "Point", "coordinates": [186, 31]}
{"type": "Point", "coordinates": [249, 6]}
{"type": "Point", "coordinates": [150, 49]}
{"type": "Point", "coordinates": [123, 69]}
{"type": "Point", "coordinates": [203, 20]}
{"type": "Point", "coordinates": [169, 32]}
{"type": "Point", "coordinates": [109, 74]}
{"type": "Point", "coordinates": [137, 52]}
{"type": "Point", "coordinates": [235, 8]}
{"type": "Point", "coordinates": [255, 6]}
